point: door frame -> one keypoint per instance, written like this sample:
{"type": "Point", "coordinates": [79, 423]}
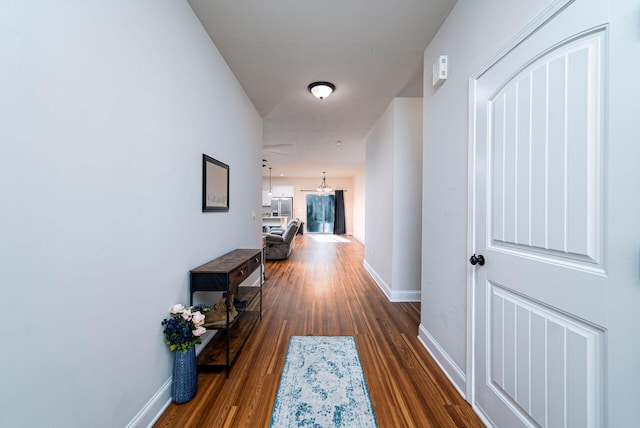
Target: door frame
{"type": "Point", "coordinates": [555, 8]}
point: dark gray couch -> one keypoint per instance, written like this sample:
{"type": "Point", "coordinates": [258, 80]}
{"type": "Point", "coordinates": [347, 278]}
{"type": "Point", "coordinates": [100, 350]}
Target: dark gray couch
{"type": "Point", "coordinates": [280, 241]}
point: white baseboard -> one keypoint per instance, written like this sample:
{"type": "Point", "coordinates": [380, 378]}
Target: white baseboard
{"type": "Point", "coordinates": [376, 278]}
{"type": "Point", "coordinates": [358, 238]}
{"type": "Point", "coordinates": [393, 295]}
{"type": "Point", "coordinates": [406, 296]}
{"type": "Point", "coordinates": [154, 408]}
{"type": "Point", "coordinates": [448, 366]}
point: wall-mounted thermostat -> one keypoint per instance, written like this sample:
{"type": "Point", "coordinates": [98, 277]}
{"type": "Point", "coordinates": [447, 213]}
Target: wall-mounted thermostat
{"type": "Point", "coordinates": [440, 70]}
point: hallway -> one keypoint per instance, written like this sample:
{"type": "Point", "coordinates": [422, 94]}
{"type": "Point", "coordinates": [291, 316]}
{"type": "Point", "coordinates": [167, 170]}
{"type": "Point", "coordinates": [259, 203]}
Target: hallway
{"type": "Point", "coordinates": [323, 289]}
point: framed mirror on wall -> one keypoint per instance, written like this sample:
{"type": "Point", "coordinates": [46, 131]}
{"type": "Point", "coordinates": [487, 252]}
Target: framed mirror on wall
{"type": "Point", "coordinates": [215, 185]}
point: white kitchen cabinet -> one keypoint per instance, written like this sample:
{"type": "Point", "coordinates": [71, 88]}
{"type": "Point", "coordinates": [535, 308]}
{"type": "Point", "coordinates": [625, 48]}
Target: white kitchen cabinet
{"type": "Point", "coordinates": [283, 190]}
{"type": "Point", "coordinates": [266, 198]}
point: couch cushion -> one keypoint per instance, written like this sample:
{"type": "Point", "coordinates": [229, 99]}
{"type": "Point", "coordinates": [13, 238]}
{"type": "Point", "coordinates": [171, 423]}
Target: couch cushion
{"type": "Point", "coordinates": [273, 239]}
{"type": "Point", "coordinates": [290, 233]}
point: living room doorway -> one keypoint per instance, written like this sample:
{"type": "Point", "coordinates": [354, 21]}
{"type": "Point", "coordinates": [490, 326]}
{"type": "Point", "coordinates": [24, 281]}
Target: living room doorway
{"type": "Point", "coordinates": [320, 213]}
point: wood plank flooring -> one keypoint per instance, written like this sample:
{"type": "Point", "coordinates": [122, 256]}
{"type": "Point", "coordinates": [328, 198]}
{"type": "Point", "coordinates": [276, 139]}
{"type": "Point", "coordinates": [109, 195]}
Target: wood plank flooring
{"type": "Point", "coordinates": [323, 289]}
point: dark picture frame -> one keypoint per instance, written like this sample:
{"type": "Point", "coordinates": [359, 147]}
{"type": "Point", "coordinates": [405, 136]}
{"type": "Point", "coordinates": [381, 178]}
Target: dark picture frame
{"type": "Point", "coordinates": [215, 185]}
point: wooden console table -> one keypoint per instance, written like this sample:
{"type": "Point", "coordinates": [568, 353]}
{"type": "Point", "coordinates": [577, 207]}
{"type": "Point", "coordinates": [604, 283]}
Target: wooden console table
{"type": "Point", "coordinates": [226, 274]}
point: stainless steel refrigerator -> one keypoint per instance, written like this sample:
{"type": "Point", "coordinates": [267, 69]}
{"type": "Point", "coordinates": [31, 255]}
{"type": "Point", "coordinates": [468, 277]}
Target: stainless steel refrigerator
{"type": "Point", "coordinates": [282, 207]}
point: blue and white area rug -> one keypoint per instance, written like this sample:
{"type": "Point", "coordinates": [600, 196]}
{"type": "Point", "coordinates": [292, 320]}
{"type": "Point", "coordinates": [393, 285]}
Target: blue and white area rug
{"type": "Point", "coordinates": [322, 385]}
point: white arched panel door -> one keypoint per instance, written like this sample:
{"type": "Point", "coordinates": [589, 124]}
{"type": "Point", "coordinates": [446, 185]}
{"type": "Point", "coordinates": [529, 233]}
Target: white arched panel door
{"type": "Point", "coordinates": [539, 298]}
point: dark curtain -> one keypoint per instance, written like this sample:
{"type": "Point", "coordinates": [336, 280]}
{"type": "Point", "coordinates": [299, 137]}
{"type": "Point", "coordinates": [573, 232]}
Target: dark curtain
{"type": "Point", "coordinates": [339, 227]}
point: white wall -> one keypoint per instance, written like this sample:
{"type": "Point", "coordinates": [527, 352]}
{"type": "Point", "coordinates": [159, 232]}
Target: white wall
{"type": "Point", "coordinates": [105, 111]}
{"type": "Point", "coordinates": [379, 198]}
{"type": "Point", "coordinates": [392, 200]}
{"type": "Point", "coordinates": [359, 191]}
{"type": "Point", "coordinates": [471, 34]}
{"type": "Point", "coordinates": [407, 188]}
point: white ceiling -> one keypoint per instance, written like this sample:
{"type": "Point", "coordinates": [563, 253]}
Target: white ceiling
{"type": "Point", "coordinates": [371, 50]}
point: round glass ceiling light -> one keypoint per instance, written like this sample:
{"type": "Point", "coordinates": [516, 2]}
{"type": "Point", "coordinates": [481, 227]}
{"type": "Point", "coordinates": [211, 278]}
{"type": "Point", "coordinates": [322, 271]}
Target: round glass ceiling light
{"type": "Point", "coordinates": [321, 90]}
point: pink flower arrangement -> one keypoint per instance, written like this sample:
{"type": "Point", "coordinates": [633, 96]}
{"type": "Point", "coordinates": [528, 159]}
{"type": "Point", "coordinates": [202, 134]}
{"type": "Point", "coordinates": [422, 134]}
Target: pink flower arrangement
{"type": "Point", "coordinates": [184, 328]}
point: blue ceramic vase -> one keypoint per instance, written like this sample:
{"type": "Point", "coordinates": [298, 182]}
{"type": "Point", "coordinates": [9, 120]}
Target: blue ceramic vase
{"type": "Point", "coordinates": [185, 379]}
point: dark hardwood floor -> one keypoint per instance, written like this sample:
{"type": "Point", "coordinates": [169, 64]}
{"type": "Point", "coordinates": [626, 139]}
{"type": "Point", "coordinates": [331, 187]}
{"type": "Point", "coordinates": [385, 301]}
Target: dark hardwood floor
{"type": "Point", "coordinates": [323, 289]}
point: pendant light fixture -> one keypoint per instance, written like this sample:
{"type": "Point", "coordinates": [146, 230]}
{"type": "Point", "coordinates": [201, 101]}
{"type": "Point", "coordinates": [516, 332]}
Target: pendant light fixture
{"type": "Point", "coordinates": [321, 90]}
{"type": "Point", "coordinates": [270, 188]}
{"type": "Point", "coordinates": [323, 187]}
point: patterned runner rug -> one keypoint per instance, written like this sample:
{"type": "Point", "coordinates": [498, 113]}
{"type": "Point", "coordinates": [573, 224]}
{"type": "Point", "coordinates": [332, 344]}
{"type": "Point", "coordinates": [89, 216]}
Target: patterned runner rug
{"type": "Point", "coordinates": [322, 385]}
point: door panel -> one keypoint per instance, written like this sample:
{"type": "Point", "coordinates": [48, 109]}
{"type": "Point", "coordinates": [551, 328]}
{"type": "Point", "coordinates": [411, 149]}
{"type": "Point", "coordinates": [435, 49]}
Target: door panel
{"type": "Point", "coordinates": [546, 165]}
{"type": "Point", "coordinates": [538, 356]}
{"type": "Point", "coordinates": [539, 301]}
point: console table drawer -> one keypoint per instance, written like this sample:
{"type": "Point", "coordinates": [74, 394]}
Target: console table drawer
{"type": "Point", "coordinates": [242, 272]}
{"type": "Point", "coordinates": [238, 275]}
{"type": "Point", "coordinates": [226, 272]}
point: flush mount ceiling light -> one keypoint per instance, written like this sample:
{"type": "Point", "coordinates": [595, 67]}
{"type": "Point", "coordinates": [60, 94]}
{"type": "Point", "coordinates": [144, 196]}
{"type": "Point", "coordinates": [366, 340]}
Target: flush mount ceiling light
{"type": "Point", "coordinates": [323, 187]}
{"type": "Point", "coordinates": [321, 90]}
